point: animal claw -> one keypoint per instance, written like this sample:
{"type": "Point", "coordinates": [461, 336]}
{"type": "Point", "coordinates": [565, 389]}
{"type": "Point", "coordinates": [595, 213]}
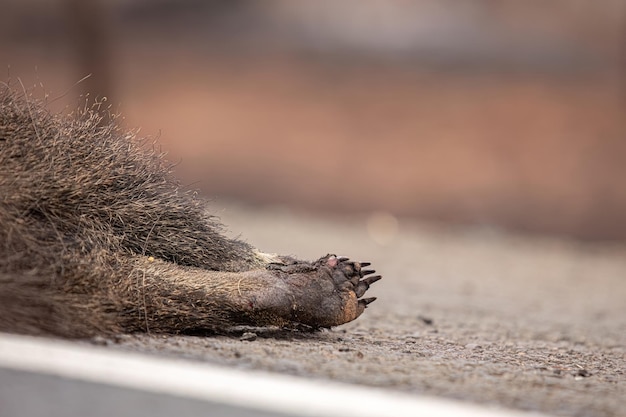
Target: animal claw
{"type": "Point", "coordinates": [366, 301]}
{"type": "Point", "coordinates": [370, 280]}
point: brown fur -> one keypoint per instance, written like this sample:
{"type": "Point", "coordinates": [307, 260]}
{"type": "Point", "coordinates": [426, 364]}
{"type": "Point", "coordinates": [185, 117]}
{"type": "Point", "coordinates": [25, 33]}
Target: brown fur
{"type": "Point", "coordinates": [97, 237]}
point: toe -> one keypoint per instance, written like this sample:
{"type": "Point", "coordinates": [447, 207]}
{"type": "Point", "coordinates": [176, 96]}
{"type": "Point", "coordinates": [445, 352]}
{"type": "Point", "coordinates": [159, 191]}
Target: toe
{"type": "Point", "coordinates": [364, 285]}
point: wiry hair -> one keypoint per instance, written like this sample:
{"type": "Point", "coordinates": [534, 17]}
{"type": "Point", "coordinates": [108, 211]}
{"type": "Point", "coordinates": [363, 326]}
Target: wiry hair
{"type": "Point", "coordinates": [77, 198]}
{"type": "Point", "coordinates": [96, 237]}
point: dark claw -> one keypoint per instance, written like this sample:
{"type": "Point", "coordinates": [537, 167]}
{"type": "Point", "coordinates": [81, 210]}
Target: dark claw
{"type": "Point", "coordinates": [367, 272]}
{"type": "Point", "coordinates": [366, 301]}
{"type": "Point", "coordinates": [364, 284]}
{"type": "Point", "coordinates": [342, 258]}
{"type": "Point", "coordinates": [364, 264]}
{"type": "Point", "coordinates": [370, 280]}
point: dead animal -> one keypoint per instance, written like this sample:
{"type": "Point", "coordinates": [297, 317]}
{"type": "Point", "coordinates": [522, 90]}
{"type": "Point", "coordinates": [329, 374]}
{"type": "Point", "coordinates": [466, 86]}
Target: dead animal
{"type": "Point", "coordinates": [96, 237]}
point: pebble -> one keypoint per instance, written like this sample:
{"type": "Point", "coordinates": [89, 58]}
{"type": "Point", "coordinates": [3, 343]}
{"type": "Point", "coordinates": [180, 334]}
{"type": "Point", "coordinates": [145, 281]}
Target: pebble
{"type": "Point", "coordinates": [248, 337]}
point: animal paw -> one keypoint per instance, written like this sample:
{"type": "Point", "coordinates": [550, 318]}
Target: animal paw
{"type": "Point", "coordinates": [325, 293]}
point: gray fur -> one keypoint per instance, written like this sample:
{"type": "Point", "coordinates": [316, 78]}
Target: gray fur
{"type": "Point", "coordinates": [96, 236]}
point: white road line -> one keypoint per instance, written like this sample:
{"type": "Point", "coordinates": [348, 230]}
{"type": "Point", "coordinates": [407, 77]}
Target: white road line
{"type": "Point", "coordinates": [257, 390]}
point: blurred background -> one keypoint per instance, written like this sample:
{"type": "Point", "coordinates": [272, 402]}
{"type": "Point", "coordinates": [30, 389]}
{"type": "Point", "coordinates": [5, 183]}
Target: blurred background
{"type": "Point", "coordinates": [498, 113]}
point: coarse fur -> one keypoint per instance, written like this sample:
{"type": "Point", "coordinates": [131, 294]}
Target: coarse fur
{"type": "Point", "coordinates": [96, 237]}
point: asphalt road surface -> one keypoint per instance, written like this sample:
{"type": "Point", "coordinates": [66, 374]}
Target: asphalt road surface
{"type": "Point", "coordinates": [471, 314]}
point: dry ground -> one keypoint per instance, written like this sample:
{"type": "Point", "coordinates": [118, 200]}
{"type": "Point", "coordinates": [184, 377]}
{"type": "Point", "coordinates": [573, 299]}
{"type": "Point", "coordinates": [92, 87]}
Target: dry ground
{"type": "Point", "coordinates": [473, 314]}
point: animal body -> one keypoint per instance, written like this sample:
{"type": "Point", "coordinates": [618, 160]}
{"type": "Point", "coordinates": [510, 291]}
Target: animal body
{"type": "Point", "coordinates": [96, 237]}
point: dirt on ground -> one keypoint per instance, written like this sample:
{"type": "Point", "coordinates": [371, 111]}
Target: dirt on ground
{"type": "Point", "coordinates": [473, 314]}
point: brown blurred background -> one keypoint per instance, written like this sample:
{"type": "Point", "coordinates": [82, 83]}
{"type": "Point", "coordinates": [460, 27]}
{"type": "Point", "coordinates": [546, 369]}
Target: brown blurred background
{"type": "Point", "coordinates": [493, 112]}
